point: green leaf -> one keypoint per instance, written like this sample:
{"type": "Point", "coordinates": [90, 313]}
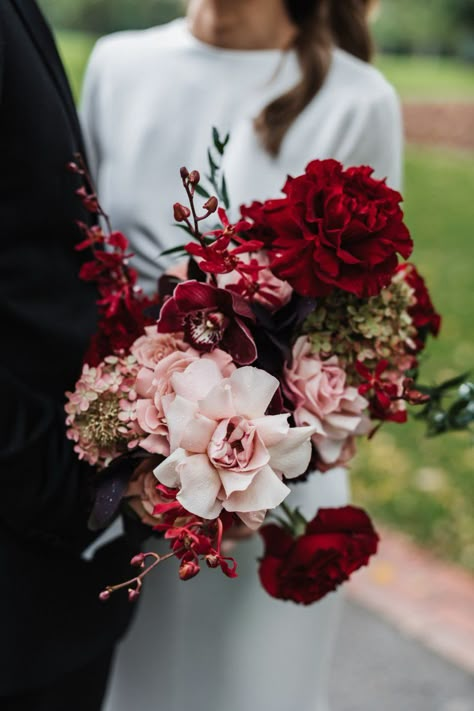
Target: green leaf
{"type": "Point", "coordinates": [201, 191]}
{"type": "Point", "coordinates": [224, 193]}
{"type": "Point", "coordinates": [173, 250]}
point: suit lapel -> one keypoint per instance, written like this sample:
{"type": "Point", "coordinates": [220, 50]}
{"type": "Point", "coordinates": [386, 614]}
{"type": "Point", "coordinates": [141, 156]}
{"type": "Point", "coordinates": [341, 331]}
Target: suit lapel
{"type": "Point", "coordinates": [42, 37]}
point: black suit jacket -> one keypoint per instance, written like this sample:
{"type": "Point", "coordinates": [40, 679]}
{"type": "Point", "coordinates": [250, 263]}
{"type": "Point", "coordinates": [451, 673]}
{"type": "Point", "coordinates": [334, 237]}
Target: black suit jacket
{"type": "Point", "coordinates": [50, 617]}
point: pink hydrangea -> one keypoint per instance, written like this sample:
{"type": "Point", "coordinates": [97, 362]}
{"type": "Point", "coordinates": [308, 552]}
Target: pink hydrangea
{"type": "Point", "coordinates": [225, 453]}
{"type": "Point", "coordinates": [101, 410]}
{"type": "Point", "coordinates": [323, 400]}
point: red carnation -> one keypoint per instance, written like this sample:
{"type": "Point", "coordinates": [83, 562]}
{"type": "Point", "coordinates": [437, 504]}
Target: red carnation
{"type": "Point", "coordinates": [337, 542]}
{"type": "Point", "coordinates": [335, 228]}
{"type": "Point", "coordinates": [425, 317]}
{"type": "Point", "coordinates": [210, 317]}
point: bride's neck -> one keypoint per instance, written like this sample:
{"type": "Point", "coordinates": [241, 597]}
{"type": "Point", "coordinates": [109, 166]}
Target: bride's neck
{"type": "Point", "coordinates": [241, 24]}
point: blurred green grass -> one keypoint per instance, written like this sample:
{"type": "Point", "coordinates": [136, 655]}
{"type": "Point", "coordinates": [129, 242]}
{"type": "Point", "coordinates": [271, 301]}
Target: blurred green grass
{"type": "Point", "coordinates": [429, 78]}
{"type": "Point", "coordinates": [426, 486]}
{"type": "Point", "coordinates": [423, 486]}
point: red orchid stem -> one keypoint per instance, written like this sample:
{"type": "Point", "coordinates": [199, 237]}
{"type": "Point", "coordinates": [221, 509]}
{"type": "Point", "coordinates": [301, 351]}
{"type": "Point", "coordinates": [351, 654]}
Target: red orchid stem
{"type": "Point", "coordinates": [137, 580]}
{"type": "Point", "coordinates": [220, 530]}
{"type": "Point", "coordinates": [195, 230]}
{"type": "Point", "coordinates": [91, 187]}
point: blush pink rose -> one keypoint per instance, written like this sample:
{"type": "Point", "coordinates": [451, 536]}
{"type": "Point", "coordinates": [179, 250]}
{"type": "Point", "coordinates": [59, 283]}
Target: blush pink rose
{"type": "Point", "coordinates": [225, 453]}
{"type": "Point", "coordinates": [154, 386]}
{"type": "Point", "coordinates": [322, 400]}
{"type": "Point", "coordinates": [153, 346]}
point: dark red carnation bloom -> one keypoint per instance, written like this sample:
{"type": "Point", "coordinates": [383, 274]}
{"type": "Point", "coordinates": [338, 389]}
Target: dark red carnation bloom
{"type": "Point", "coordinates": [425, 317]}
{"type": "Point", "coordinates": [210, 317]}
{"type": "Point", "coordinates": [336, 543]}
{"type": "Point", "coordinates": [335, 228]}
{"type": "Point", "coordinates": [261, 228]}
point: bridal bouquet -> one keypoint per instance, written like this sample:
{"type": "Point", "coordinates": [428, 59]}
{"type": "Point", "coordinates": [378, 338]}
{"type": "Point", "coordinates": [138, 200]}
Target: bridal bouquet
{"type": "Point", "coordinates": [278, 341]}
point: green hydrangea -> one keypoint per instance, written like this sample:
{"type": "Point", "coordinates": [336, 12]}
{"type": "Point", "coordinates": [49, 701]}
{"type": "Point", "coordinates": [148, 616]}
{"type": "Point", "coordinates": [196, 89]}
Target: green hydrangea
{"type": "Point", "coordinates": [365, 329]}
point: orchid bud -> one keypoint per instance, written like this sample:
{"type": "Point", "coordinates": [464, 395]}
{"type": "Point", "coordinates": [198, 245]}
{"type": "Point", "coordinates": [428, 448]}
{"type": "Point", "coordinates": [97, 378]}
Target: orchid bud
{"type": "Point", "coordinates": [184, 172]}
{"type": "Point", "coordinates": [194, 177]}
{"type": "Point", "coordinates": [138, 559]}
{"type": "Point", "coordinates": [105, 595]}
{"type": "Point", "coordinates": [133, 593]}
{"type": "Point", "coordinates": [212, 204]}
{"type": "Point", "coordinates": [212, 560]}
{"type": "Point", "coordinates": [74, 168]}
{"type": "Point", "coordinates": [180, 212]}
{"type": "Point", "coordinates": [188, 570]}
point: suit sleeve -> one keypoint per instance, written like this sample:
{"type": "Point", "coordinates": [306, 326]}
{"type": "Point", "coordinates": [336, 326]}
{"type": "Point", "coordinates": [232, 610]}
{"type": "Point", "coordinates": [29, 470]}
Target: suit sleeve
{"type": "Point", "coordinates": [44, 487]}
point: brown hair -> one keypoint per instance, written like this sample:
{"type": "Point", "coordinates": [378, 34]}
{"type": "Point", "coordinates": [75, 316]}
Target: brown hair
{"type": "Point", "coordinates": [321, 23]}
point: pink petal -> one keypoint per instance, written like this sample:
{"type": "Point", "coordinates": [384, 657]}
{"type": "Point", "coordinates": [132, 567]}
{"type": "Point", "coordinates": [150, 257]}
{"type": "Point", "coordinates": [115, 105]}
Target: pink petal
{"type": "Point", "coordinates": [236, 481]}
{"type": "Point", "coordinates": [253, 519]}
{"type": "Point", "coordinates": [179, 415]}
{"type": "Point", "coordinates": [167, 472]}
{"type": "Point", "coordinates": [252, 390]}
{"type": "Point", "coordinates": [291, 456]}
{"type": "Point", "coordinates": [272, 429]}
{"type": "Point", "coordinates": [200, 485]}
{"type": "Point", "coordinates": [266, 491]}
{"type": "Point", "coordinates": [197, 380]}
{"type": "Point", "coordinates": [219, 403]}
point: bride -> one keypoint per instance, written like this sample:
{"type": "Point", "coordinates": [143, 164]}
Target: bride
{"type": "Point", "coordinates": [268, 72]}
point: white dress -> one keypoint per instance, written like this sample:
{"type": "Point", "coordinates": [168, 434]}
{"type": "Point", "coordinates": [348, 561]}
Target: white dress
{"type": "Point", "coordinates": [150, 100]}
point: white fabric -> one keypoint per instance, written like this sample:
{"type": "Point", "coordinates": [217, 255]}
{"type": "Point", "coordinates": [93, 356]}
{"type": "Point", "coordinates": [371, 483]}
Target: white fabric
{"type": "Point", "coordinates": [149, 102]}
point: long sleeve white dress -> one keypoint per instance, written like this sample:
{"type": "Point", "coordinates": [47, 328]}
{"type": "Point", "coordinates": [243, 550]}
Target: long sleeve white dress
{"type": "Point", "coordinates": [150, 100]}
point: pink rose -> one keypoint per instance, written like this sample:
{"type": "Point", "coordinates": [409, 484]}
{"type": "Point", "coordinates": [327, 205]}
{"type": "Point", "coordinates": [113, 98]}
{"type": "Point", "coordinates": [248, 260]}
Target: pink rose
{"type": "Point", "coordinates": [322, 400]}
{"type": "Point", "coordinates": [154, 346]}
{"type": "Point", "coordinates": [225, 452]}
{"type": "Point", "coordinates": [154, 386]}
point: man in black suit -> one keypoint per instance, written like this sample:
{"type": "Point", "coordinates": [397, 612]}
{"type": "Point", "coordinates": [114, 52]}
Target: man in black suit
{"type": "Point", "coordinates": [56, 638]}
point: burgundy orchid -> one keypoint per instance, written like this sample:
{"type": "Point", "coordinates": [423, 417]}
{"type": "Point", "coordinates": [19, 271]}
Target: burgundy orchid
{"type": "Point", "coordinates": [210, 317]}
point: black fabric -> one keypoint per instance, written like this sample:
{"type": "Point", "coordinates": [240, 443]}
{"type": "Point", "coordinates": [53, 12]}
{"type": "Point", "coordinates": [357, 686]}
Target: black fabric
{"type": "Point", "coordinates": [50, 619]}
{"type": "Point", "coordinates": [80, 690]}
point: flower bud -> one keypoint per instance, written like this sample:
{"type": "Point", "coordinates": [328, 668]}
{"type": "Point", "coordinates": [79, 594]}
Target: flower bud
{"type": "Point", "coordinates": [105, 595]}
{"type": "Point", "coordinates": [188, 570]}
{"type": "Point", "coordinates": [212, 561]}
{"type": "Point", "coordinates": [212, 204]}
{"type": "Point", "coordinates": [133, 593]}
{"type": "Point", "coordinates": [74, 168]}
{"type": "Point", "coordinates": [138, 559]}
{"type": "Point", "coordinates": [180, 212]}
{"type": "Point", "coordinates": [194, 177]}
{"type": "Point", "coordinates": [184, 172]}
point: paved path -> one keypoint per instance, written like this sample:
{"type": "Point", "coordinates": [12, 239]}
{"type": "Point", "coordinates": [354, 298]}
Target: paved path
{"type": "Point", "coordinates": [429, 599]}
{"type": "Point", "coordinates": [447, 124]}
{"type": "Point", "coordinates": [380, 669]}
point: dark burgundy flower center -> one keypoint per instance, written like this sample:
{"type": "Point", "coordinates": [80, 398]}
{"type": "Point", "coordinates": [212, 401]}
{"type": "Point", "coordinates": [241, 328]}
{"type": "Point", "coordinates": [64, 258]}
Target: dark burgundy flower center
{"type": "Point", "coordinates": [205, 329]}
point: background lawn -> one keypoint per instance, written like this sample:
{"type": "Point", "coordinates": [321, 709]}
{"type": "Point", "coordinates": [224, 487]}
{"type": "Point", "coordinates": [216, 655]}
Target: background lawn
{"type": "Point", "coordinates": [423, 486]}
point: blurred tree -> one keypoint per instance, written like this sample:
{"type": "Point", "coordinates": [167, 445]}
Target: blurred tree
{"type": "Point", "coordinates": [403, 26]}
{"type": "Point", "coordinates": [414, 26]}
{"type": "Point", "coordinates": [102, 16]}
